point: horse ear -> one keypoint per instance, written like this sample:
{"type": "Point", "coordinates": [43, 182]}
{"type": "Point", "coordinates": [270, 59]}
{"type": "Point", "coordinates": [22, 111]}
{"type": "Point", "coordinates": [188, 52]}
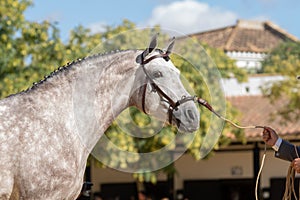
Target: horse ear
{"type": "Point", "coordinates": [139, 58]}
{"type": "Point", "coordinates": [170, 47]}
{"type": "Point", "coordinates": [152, 45]}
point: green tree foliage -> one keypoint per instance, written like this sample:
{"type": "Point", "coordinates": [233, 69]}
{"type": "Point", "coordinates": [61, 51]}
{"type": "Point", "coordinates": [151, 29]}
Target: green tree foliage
{"type": "Point", "coordinates": [13, 49]}
{"type": "Point", "coordinates": [285, 61]}
{"type": "Point", "coordinates": [81, 42]}
{"type": "Point", "coordinates": [30, 50]}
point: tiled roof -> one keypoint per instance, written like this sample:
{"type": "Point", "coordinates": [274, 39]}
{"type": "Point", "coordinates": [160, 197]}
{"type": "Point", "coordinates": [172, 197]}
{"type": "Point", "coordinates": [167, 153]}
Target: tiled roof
{"type": "Point", "coordinates": [246, 36]}
{"type": "Point", "coordinates": [257, 110]}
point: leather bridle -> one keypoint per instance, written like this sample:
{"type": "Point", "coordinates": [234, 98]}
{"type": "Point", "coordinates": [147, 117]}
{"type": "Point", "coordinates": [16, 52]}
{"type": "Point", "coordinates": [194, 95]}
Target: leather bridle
{"type": "Point", "coordinates": [173, 105]}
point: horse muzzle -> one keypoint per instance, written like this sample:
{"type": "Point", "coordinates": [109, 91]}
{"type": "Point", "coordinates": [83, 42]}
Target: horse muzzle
{"type": "Point", "coordinates": [186, 117]}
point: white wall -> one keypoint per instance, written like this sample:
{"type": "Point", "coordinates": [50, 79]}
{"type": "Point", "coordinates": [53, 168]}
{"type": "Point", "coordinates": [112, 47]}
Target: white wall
{"type": "Point", "coordinates": [252, 87]}
{"type": "Point", "coordinates": [108, 175]}
{"type": "Point", "coordinates": [219, 166]}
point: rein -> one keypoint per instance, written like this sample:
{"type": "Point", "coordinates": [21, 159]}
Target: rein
{"type": "Point", "coordinates": [174, 105]}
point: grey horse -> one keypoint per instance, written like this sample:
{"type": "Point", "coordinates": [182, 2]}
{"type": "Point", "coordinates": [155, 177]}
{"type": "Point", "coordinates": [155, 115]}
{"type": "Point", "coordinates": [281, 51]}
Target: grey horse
{"type": "Point", "coordinates": [48, 131]}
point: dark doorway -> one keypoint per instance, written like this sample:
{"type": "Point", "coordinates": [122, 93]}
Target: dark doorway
{"type": "Point", "coordinates": [223, 189]}
{"type": "Point", "coordinates": [125, 191]}
{"type": "Point", "coordinates": [121, 191]}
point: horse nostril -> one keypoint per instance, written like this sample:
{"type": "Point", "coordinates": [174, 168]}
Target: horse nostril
{"type": "Point", "coordinates": [190, 114]}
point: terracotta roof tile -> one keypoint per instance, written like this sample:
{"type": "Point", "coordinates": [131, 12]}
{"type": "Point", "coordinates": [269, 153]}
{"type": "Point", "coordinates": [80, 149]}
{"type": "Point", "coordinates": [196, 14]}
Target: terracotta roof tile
{"type": "Point", "coordinates": [249, 36]}
{"type": "Point", "coordinates": [216, 38]}
{"type": "Point", "coordinates": [257, 110]}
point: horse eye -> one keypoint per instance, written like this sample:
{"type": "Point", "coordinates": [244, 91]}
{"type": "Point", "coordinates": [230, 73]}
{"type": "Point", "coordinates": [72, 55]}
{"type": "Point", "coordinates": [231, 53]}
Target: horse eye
{"type": "Point", "coordinates": [157, 74]}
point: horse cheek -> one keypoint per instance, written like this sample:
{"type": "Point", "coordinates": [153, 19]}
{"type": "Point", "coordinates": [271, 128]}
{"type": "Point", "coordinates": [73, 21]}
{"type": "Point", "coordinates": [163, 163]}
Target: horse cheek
{"type": "Point", "coordinates": [153, 103]}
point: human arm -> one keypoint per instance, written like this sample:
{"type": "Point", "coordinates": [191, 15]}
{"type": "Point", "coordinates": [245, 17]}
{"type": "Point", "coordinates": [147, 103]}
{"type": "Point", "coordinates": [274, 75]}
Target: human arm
{"type": "Point", "coordinates": [287, 151]}
{"type": "Point", "coordinates": [283, 149]}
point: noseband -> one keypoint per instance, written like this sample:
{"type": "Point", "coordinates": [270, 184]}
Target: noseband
{"type": "Point", "coordinates": [155, 88]}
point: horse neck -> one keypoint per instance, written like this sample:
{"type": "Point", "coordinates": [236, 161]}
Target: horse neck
{"type": "Point", "coordinates": [114, 86]}
{"type": "Point", "coordinates": [93, 92]}
{"type": "Point", "coordinates": [102, 93]}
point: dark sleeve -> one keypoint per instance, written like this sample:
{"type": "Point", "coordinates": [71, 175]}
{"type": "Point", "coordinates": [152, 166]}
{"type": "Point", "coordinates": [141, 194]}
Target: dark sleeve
{"type": "Point", "coordinates": [287, 151]}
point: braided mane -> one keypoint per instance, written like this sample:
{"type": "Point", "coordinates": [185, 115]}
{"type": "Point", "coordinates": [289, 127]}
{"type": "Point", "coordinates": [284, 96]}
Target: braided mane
{"type": "Point", "coordinates": [69, 65]}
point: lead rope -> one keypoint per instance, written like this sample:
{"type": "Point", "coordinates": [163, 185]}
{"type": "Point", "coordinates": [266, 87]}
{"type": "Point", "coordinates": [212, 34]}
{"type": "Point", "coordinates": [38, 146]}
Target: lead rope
{"type": "Point", "coordinates": [209, 107]}
{"type": "Point", "coordinates": [259, 172]}
{"type": "Point", "coordinates": [263, 158]}
{"type": "Point", "coordinates": [290, 182]}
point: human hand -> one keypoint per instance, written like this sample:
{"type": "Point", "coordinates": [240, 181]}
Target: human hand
{"type": "Point", "coordinates": [269, 136]}
{"type": "Point", "coordinates": [296, 165]}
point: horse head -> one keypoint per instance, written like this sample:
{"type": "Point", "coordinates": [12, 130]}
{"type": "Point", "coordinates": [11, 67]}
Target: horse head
{"type": "Point", "coordinates": [163, 94]}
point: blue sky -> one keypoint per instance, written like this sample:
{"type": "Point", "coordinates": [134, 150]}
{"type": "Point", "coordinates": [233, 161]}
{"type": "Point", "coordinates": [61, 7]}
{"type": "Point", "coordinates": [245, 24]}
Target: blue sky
{"type": "Point", "coordinates": [184, 16]}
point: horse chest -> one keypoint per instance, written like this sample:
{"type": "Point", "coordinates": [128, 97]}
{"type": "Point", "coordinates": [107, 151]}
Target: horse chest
{"type": "Point", "coordinates": [39, 160]}
{"type": "Point", "coordinates": [54, 173]}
